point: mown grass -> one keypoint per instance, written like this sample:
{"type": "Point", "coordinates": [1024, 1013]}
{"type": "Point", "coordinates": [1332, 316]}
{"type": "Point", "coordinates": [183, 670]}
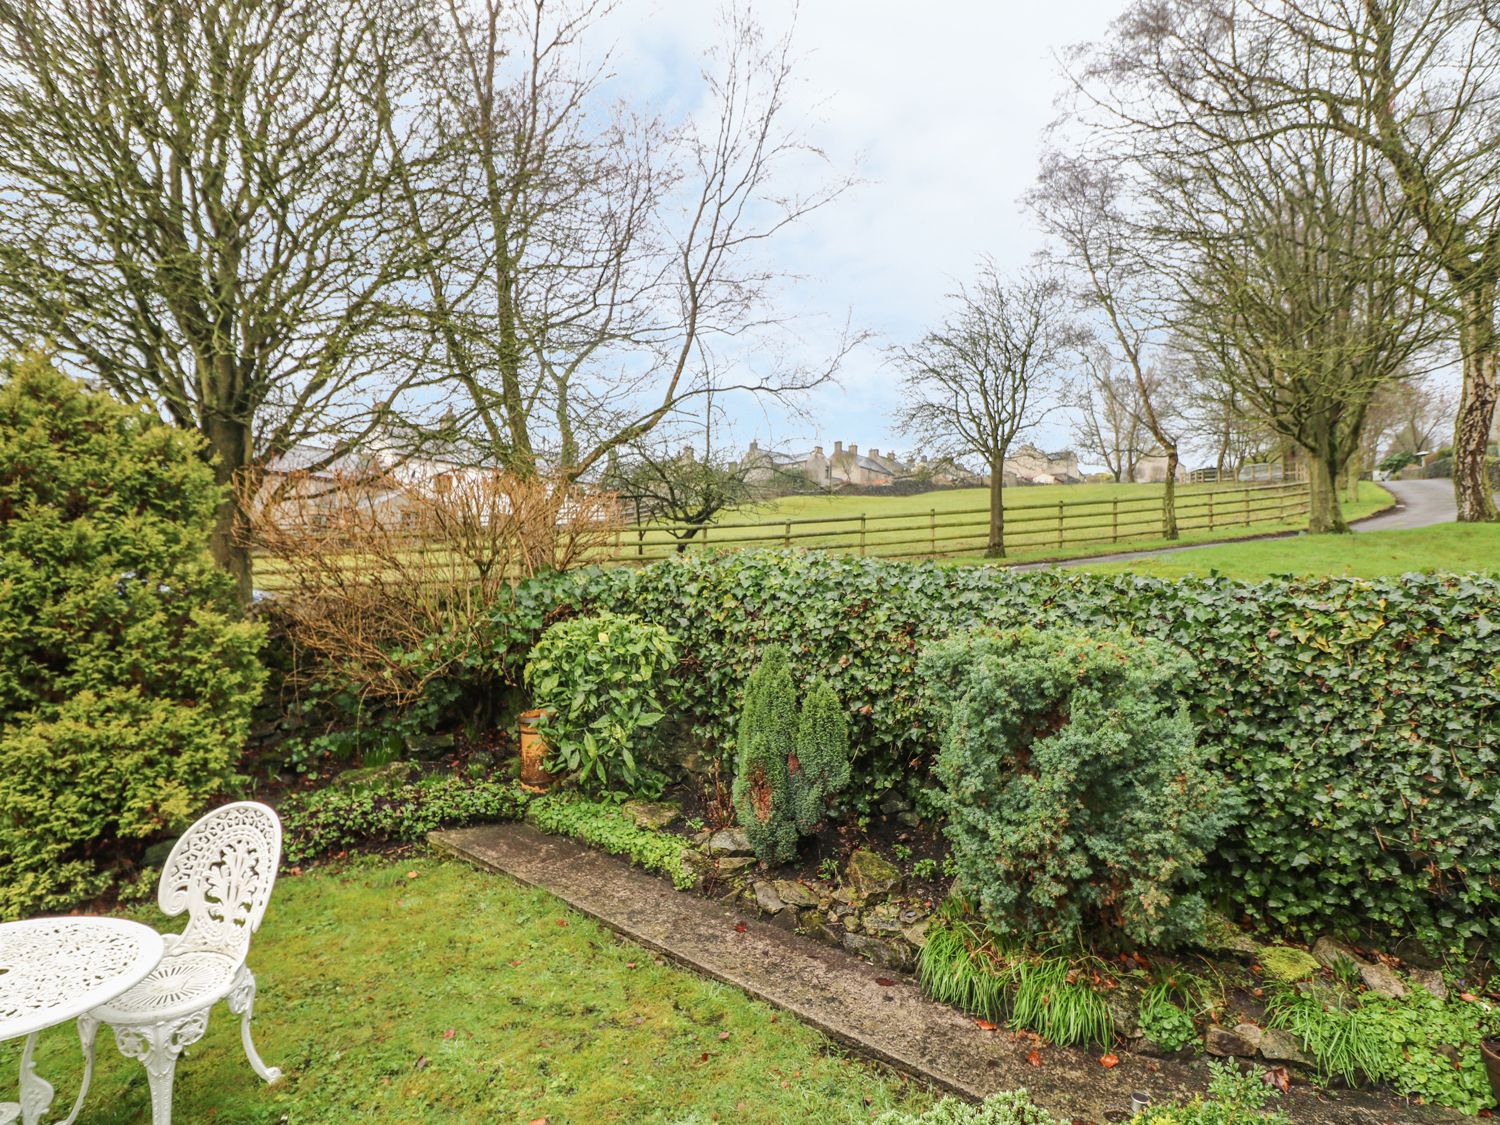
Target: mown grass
{"type": "Point", "coordinates": [420, 990]}
{"type": "Point", "coordinates": [1450, 547]}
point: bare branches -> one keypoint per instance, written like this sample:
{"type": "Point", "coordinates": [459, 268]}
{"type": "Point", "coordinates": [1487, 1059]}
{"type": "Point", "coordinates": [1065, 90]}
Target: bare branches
{"type": "Point", "coordinates": [990, 373]}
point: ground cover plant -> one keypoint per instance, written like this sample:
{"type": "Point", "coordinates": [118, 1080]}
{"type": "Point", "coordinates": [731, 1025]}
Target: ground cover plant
{"type": "Point", "coordinates": [1446, 548]}
{"type": "Point", "coordinates": [1075, 795]}
{"type": "Point", "coordinates": [126, 676]}
{"type": "Point", "coordinates": [410, 991]}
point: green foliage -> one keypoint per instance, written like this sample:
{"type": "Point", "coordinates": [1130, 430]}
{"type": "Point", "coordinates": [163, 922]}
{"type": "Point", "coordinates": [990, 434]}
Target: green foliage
{"type": "Point", "coordinates": [599, 679]}
{"type": "Point", "coordinates": [788, 764]}
{"type": "Point", "coordinates": [126, 676]}
{"type": "Point", "coordinates": [1418, 1045]}
{"type": "Point", "coordinates": [1012, 1107]}
{"type": "Point", "coordinates": [603, 825]}
{"type": "Point", "coordinates": [822, 755]}
{"type": "Point", "coordinates": [1168, 1005]}
{"type": "Point", "coordinates": [1335, 706]}
{"type": "Point", "coordinates": [1076, 796]}
{"type": "Point", "coordinates": [1395, 462]}
{"type": "Point", "coordinates": [1233, 1099]}
{"type": "Point", "coordinates": [329, 820]}
{"type": "Point", "coordinates": [965, 964]}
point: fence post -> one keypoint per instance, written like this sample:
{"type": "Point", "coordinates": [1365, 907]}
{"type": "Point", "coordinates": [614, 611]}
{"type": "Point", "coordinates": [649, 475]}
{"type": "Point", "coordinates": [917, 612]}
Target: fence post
{"type": "Point", "coordinates": [1247, 507]}
{"type": "Point", "coordinates": [640, 541]}
{"type": "Point", "coordinates": [1210, 511]}
{"type": "Point", "coordinates": [618, 557]}
{"type": "Point", "coordinates": [786, 534]}
{"type": "Point", "coordinates": [1059, 523]}
{"type": "Point", "coordinates": [1114, 520]}
{"type": "Point", "coordinates": [862, 533]}
{"type": "Point", "coordinates": [932, 531]}
{"type": "Point", "coordinates": [1281, 505]}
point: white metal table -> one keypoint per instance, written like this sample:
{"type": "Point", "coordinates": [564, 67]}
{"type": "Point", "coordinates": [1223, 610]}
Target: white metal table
{"type": "Point", "coordinates": [53, 970]}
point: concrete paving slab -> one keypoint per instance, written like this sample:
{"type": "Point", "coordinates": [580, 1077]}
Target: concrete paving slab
{"type": "Point", "coordinates": [875, 1012]}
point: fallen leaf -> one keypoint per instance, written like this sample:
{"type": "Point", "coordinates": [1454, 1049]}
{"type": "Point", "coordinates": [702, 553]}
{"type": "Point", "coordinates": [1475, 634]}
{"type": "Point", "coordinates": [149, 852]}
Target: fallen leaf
{"type": "Point", "coordinates": [422, 1063]}
{"type": "Point", "coordinates": [412, 874]}
{"type": "Point", "coordinates": [1109, 1062]}
{"type": "Point", "coordinates": [1278, 1077]}
{"type": "Point", "coordinates": [1034, 1058]}
{"type": "Point", "coordinates": [1467, 996]}
{"type": "Point", "coordinates": [539, 1121]}
{"type": "Point", "coordinates": [449, 1034]}
{"type": "Point", "coordinates": [985, 1025]}
{"type": "Point", "coordinates": [723, 1035]}
{"type": "Point", "coordinates": [630, 964]}
{"type": "Point", "coordinates": [740, 927]}
{"type": "Point", "coordinates": [884, 982]}
{"type": "Point", "coordinates": [562, 921]}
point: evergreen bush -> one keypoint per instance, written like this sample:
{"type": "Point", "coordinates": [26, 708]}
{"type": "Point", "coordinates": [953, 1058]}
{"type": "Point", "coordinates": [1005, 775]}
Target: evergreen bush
{"type": "Point", "coordinates": [788, 764]}
{"type": "Point", "coordinates": [1076, 796]}
{"type": "Point", "coordinates": [126, 675]}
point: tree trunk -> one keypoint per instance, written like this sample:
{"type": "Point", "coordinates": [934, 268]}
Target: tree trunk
{"type": "Point", "coordinates": [1476, 409]}
{"type": "Point", "coordinates": [1169, 494]}
{"type": "Point", "coordinates": [1324, 517]}
{"type": "Point", "coordinates": [229, 441]}
{"type": "Point", "coordinates": [995, 547]}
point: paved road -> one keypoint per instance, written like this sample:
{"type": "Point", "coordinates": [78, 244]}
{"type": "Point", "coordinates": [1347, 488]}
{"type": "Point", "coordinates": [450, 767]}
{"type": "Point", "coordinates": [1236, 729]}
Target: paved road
{"type": "Point", "coordinates": [1419, 503]}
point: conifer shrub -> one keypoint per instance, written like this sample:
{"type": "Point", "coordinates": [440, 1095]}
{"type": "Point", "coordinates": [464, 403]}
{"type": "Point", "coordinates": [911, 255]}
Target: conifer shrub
{"type": "Point", "coordinates": [1076, 796]}
{"type": "Point", "coordinates": [788, 765]}
{"type": "Point", "coordinates": [126, 675]}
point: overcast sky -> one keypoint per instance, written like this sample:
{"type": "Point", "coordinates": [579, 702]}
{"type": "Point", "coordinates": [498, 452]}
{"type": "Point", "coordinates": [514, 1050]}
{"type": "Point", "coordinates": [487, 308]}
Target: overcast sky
{"type": "Point", "coordinates": [939, 109]}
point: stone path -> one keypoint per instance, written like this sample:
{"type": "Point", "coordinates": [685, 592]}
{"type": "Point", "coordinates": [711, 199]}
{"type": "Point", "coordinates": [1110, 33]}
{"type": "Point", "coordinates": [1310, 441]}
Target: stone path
{"type": "Point", "coordinates": [875, 1012]}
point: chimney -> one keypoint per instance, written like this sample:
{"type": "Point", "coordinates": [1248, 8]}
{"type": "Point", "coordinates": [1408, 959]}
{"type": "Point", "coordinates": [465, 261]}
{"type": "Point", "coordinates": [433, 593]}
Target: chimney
{"type": "Point", "coordinates": [853, 450]}
{"type": "Point", "coordinates": [687, 452]}
{"type": "Point", "coordinates": [817, 451]}
{"type": "Point", "coordinates": [874, 454]}
{"type": "Point", "coordinates": [753, 446]}
{"type": "Point", "coordinates": [838, 449]}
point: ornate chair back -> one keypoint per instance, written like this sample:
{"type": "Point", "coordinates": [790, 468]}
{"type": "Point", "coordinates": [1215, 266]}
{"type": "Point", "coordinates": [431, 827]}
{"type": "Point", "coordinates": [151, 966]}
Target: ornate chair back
{"type": "Point", "coordinates": [221, 872]}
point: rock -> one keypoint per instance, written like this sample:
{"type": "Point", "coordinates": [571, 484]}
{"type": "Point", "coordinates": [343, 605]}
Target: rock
{"type": "Point", "coordinates": [814, 927]}
{"type": "Point", "coordinates": [785, 919]}
{"type": "Point", "coordinates": [916, 933]}
{"type": "Point", "coordinates": [1124, 1005]}
{"type": "Point", "coordinates": [893, 802]}
{"type": "Point", "coordinates": [1286, 962]}
{"type": "Point", "coordinates": [730, 841]}
{"type": "Point", "coordinates": [876, 951]}
{"type": "Point", "coordinates": [482, 760]}
{"type": "Point", "coordinates": [908, 819]}
{"type": "Point", "coordinates": [697, 861]}
{"type": "Point", "coordinates": [1281, 1046]}
{"type": "Point", "coordinates": [1382, 981]}
{"type": "Point", "coordinates": [1223, 1043]}
{"type": "Point", "coordinates": [869, 876]}
{"type": "Point", "coordinates": [766, 897]}
{"type": "Point", "coordinates": [428, 745]}
{"type": "Point", "coordinates": [1250, 1034]}
{"type": "Point", "coordinates": [882, 927]}
{"type": "Point", "coordinates": [1219, 935]}
{"type": "Point", "coordinates": [387, 776]}
{"type": "Point", "coordinates": [1430, 980]}
{"type": "Point", "coordinates": [1329, 951]}
{"type": "Point", "coordinates": [794, 893]}
{"type": "Point", "coordinates": [733, 864]}
{"type": "Point", "coordinates": [156, 854]}
{"type": "Point", "coordinates": [652, 814]}
{"type": "Point", "coordinates": [850, 922]}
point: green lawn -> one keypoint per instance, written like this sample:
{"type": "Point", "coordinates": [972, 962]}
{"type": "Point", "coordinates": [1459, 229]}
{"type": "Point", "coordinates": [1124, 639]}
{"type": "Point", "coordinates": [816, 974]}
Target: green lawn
{"type": "Point", "coordinates": [1444, 547]}
{"type": "Point", "coordinates": [421, 990]}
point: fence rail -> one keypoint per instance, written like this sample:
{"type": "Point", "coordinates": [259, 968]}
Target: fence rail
{"type": "Point", "coordinates": [937, 534]}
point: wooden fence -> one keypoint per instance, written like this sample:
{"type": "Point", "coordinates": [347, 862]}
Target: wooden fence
{"type": "Point", "coordinates": [1029, 528]}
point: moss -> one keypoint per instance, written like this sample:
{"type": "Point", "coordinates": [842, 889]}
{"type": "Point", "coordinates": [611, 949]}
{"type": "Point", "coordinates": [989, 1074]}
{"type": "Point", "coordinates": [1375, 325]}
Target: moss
{"type": "Point", "coordinates": [1287, 963]}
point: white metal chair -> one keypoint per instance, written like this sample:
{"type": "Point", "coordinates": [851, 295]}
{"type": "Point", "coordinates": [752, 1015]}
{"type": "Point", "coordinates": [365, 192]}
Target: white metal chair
{"type": "Point", "coordinates": [221, 872]}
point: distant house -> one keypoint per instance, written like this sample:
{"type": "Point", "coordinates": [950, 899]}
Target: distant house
{"type": "Point", "coordinates": [1152, 468]}
{"type": "Point", "coordinates": [843, 467]}
{"type": "Point", "coordinates": [1029, 465]}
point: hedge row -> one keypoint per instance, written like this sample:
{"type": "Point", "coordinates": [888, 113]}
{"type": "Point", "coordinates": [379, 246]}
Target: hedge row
{"type": "Point", "coordinates": [1359, 719]}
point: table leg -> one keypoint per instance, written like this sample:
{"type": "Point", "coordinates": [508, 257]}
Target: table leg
{"type": "Point", "coordinates": [36, 1091]}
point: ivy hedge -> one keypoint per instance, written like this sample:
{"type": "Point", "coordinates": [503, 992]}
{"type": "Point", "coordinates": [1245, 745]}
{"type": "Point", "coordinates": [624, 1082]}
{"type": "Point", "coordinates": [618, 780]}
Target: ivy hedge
{"type": "Point", "coordinates": [1360, 720]}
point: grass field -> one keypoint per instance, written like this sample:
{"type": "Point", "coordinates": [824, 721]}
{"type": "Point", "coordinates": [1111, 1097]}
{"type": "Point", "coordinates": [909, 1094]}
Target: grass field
{"type": "Point", "coordinates": [1455, 547]}
{"type": "Point", "coordinates": [1061, 521]}
{"type": "Point", "coordinates": [418, 990]}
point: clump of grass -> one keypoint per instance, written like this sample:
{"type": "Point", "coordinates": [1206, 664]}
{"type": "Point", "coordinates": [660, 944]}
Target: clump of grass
{"type": "Point", "coordinates": [1173, 1002]}
{"type": "Point", "coordinates": [965, 965]}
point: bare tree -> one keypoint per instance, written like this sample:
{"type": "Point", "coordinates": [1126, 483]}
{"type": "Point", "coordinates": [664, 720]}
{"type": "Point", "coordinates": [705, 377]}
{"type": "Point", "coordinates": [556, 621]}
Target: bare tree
{"type": "Point", "coordinates": [1408, 416]}
{"type": "Point", "coordinates": [587, 257]}
{"type": "Point", "coordinates": [1081, 204]}
{"type": "Point", "coordinates": [198, 211]}
{"type": "Point", "coordinates": [1108, 422]}
{"type": "Point", "coordinates": [1297, 275]}
{"type": "Point", "coordinates": [989, 374]}
{"type": "Point", "coordinates": [1415, 83]}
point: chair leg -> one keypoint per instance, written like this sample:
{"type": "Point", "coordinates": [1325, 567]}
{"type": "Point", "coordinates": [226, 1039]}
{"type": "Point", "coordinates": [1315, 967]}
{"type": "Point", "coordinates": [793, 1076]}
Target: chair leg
{"type": "Point", "coordinates": [88, 1032]}
{"type": "Point", "coordinates": [159, 1046]}
{"type": "Point", "coordinates": [242, 1003]}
